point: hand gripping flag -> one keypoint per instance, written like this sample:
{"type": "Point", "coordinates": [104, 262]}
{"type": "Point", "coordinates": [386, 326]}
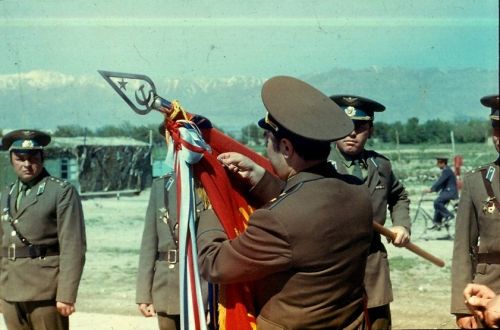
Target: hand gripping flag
{"type": "Point", "coordinates": [194, 145]}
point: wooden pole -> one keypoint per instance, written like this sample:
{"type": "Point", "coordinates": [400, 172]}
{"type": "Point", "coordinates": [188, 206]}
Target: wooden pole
{"type": "Point", "coordinates": [452, 137]}
{"type": "Point", "coordinates": [397, 145]}
{"type": "Point", "coordinates": [410, 246]}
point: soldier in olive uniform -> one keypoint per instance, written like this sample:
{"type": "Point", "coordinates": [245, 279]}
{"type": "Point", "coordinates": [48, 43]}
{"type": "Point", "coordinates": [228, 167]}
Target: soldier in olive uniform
{"type": "Point", "coordinates": [158, 278]}
{"type": "Point", "coordinates": [157, 290]}
{"type": "Point", "coordinates": [476, 252]}
{"type": "Point", "coordinates": [42, 237]}
{"type": "Point", "coordinates": [350, 156]}
{"type": "Point", "coordinates": [305, 249]}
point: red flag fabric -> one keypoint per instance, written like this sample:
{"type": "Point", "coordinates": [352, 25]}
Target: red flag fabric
{"type": "Point", "coordinates": [233, 210]}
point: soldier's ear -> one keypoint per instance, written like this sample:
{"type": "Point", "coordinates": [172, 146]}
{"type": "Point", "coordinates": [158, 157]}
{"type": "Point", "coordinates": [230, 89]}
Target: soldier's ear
{"type": "Point", "coordinates": [286, 147]}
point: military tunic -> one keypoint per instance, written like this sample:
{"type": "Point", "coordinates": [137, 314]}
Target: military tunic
{"type": "Point", "coordinates": [305, 251]}
{"type": "Point", "coordinates": [158, 280]}
{"type": "Point", "coordinates": [51, 214]}
{"type": "Point", "coordinates": [158, 273]}
{"type": "Point", "coordinates": [386, 191]}
{"type": "Point", "coordinates": [477, 225]}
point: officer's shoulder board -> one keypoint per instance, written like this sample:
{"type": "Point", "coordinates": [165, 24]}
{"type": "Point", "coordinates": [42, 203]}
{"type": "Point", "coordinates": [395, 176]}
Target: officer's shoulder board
{"type": "Point", "coordinates": [52, 180]}
{"type": "Point", "coordinates": [480, 168]}
{"type": "Point", "coordinates": [275, 201]}
{"type": "Point", "coordinates": [376, 158]}
{"type": "Point", "coordinates": [468, 174]}
{"type": "Point", "coordinates": [381, 162]}
{"type": "Point", "coordinates": [290, 191]}
{"type": "Point", "coordinates": [489, 170]}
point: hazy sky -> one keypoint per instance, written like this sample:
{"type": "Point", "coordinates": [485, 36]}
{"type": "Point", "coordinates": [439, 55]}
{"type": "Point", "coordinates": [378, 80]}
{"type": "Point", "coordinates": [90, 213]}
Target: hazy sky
{"type": "Point", "coordinates": [223, 38]}
{"type": "Point", "coordinates": [49, 49]}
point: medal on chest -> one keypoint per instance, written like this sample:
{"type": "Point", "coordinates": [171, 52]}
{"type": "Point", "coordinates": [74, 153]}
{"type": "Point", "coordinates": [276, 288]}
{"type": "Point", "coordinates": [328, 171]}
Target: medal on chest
{"type": "Point", "coordinates": [165, 216]}
{"type": "Point", "coordinates": [489, 205]}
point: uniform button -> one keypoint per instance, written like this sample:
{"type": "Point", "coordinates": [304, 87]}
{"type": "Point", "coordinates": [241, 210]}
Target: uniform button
{"type": "Point", "coordinates": [16, 221]}
{"type": "Point", "coordinates": [13, 233]}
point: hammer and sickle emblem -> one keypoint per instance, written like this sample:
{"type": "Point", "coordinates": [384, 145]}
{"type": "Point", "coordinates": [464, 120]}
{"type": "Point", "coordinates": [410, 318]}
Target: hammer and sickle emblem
{"type": "Point", "coordinates": [144, 100]}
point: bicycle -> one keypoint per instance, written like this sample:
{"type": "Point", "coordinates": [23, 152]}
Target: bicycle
{"type": "Point", "coordinates": [452, 206]}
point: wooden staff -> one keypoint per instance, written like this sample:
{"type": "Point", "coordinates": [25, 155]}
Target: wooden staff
{"type": "Point", "coordinates": [410, 246]}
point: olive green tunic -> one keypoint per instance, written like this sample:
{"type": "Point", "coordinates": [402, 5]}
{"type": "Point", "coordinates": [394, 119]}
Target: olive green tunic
{"type": "Point", "coordinates": [50, 214]}
{"type": "Point", "coordinates": [387, 193]}
{"type": "Point", "coordinates": [305, 251]}
{"type": "Point", "coordinates": [476, 230]}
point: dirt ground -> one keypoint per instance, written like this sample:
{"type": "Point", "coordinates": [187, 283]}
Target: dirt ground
{"type": "Point", "coordinates": [114, 228]}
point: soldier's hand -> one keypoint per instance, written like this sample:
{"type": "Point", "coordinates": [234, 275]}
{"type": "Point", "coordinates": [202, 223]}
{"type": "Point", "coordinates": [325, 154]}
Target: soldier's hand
{"type": "Point", "coordinates": [65, 309]}
{"type": "Point", "coordinates": [465, 321]}
{"type": "Point", "coordinates": [147, 310]}
{"type": "Point", "coordinates": [243, 166]}
{"type": "Point", "coordinates": [492, 313]}
{"type": "Point", "coordinates": [402, 236]}
{"type": "Point", "coordinates": [479, 291]}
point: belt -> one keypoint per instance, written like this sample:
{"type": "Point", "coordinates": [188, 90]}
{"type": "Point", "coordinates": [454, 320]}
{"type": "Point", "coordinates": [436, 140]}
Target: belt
{"type": "Point", "coordinates": [13, 252]}
{"type": "Point", "coordinates": [172, 256]}
{"type": "Point", "coordinates": [488, 258]}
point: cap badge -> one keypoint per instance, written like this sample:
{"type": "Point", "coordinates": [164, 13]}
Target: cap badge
{"type": "Point", "coordinates": [27, 144]}
{"type": "Point", "coordinates": [350, 111]}
{"type": "Point", "coordinates": [350, 99]}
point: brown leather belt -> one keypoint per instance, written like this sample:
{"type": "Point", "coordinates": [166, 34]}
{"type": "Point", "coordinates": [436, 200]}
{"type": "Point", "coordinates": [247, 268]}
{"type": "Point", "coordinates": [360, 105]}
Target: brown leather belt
{"type": "Point", "coordinates": [488, 258]}
{"type": "Point", "coordinates": [13, 252]}
{"type": "Point", "coordinates": [172, 256]}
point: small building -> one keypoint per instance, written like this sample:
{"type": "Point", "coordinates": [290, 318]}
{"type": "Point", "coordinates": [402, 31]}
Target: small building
{"type": "Point", "coordinates": [96, 165]}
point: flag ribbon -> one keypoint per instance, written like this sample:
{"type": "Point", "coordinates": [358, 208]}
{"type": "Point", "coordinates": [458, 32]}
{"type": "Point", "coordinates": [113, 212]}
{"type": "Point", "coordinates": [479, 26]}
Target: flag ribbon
{"type": "Point", "coordinates": [190, 148]}
{"type": "Point", "coordinates": [195, 158]}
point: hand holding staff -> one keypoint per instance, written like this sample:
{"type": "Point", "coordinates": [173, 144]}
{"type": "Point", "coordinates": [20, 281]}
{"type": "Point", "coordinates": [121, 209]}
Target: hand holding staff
{"type": "Point", "coordinates": [410, 246]}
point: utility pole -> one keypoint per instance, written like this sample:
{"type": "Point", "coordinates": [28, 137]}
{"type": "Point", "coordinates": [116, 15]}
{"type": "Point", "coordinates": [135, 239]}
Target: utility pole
{"type": "Point", "coordinates": [452, 143]}
{"type": "Point", "coordinates": [397, 145]}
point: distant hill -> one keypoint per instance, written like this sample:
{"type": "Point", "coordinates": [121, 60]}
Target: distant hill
{"type": "Point", "coordinates": [49, 99]}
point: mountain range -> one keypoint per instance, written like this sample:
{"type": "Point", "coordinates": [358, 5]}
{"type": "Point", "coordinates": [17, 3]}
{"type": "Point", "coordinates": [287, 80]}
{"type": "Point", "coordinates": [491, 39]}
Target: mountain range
{"type": "Point", "coordinates": [46, 99]}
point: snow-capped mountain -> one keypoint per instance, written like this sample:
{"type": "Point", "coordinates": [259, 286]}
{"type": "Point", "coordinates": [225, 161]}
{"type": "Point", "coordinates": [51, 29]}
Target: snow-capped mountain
{"type": "Point", "coordinates": [46, 99]}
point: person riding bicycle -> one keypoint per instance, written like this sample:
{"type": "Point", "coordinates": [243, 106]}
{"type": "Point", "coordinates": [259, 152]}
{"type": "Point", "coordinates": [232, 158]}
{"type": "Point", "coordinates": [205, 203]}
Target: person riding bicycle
{"type": "Point", "coordinates": [446, 185]}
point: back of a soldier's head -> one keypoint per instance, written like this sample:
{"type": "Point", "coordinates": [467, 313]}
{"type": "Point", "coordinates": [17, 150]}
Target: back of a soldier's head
{"type": "Point", "coordinates": [303, 115]}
